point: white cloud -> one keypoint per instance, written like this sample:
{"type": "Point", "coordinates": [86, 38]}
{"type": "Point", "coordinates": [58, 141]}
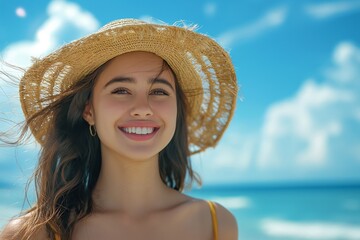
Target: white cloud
{"type": "Point", "coordinates": [271, 19]}
{"type": "Point", "coordinates": [303, 122]}
{"type": "Point", "coordinates": [67, 21]}
{"type": "Point", "coordinates": [300, 129]}
{"type": "Point", "coordinates": [232, 156]}
{"type": "Point", "coordinates": [346, 70]}
{"type": "Point", "coordinates": [331, 9]}
{"type": "Point", "coordinates": [210, 9]}
{"type": "Point", "coordinates": [301, 135]}
{"type": "Point", "coordinates": [20, 12]}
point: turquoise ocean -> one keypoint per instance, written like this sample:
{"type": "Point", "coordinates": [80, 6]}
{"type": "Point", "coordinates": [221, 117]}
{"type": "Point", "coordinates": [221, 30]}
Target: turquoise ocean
{"type": "Point", "coordinates": [291, 212]}
{"type": "Point", "coordinates": [265, 212]}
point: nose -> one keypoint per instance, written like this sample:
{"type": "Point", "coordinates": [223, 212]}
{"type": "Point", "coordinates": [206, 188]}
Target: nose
{"type": "Point", "coordinates": [141, 108]}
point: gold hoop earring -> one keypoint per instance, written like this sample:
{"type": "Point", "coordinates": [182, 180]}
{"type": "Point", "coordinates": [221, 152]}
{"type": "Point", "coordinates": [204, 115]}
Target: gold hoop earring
{"type": "Point", "coordinates": [92, 130]}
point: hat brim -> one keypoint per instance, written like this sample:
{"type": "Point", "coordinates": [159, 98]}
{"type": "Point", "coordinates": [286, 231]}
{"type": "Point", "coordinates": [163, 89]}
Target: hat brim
{"type": "Point", "coordinates": [199, 63]}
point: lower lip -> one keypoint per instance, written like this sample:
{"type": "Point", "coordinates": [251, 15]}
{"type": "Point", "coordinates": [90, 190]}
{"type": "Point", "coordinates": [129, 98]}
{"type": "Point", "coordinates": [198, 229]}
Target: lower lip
{"type": "Point", "coordinates": [140, 137]}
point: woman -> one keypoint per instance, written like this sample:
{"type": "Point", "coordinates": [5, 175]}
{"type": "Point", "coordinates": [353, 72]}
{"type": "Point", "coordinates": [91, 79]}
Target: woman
{"type": "Point", "coordinates": [118, 114]}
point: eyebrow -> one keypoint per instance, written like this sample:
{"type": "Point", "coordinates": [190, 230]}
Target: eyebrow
{"type": "Point", "coordinates": [132, 80]}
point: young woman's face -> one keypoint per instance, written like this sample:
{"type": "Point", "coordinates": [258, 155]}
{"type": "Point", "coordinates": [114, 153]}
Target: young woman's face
{"type": "Point", "coordinates": [133, 106]}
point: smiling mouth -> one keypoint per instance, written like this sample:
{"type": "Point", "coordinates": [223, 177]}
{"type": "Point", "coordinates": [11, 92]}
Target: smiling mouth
{"type": "Point", "coordinates": [139, 130]}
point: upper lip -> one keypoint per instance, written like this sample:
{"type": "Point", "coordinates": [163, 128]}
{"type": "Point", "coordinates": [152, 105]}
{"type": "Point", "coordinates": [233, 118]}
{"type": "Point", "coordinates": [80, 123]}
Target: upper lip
{"type": "Point", "coordinates": [149, 124]}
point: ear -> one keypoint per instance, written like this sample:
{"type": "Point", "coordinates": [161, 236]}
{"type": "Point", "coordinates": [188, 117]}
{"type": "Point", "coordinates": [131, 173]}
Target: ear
{"type": "Point", "coordinates": [88, 113]}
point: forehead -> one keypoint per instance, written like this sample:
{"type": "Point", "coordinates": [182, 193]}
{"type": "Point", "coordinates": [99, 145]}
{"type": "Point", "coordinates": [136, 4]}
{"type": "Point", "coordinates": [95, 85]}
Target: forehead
{"type": "Point", "coordinates": [134, 63]}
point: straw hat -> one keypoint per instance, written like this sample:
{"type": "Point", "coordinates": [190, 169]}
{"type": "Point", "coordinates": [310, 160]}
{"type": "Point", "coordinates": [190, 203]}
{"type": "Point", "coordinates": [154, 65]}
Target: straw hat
{"type": "Point", "coordinates": [202, 67]}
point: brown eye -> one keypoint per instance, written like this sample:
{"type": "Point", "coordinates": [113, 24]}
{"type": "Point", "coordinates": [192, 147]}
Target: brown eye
{"type": "Point", "coordinates": [159, 92]}
{"type": "Point", "coordinates": [120, 91]}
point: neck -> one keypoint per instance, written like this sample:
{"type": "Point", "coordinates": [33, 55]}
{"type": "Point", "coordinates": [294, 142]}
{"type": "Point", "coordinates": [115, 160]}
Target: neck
{"type": "Point", "coordinates": [130, 186]}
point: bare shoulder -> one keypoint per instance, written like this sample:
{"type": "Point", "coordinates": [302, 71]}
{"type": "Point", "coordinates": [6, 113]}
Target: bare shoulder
{"type": "Point", "coordinates": [12, 230]}
{"type": "Point", "coordinates": [200, 212]}
{"type": "Point", "coordinates": [227, 225]}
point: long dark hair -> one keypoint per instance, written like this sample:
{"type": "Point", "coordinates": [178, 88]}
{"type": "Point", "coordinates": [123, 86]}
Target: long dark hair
{"type": "Point", "coordinates": [70, 160]}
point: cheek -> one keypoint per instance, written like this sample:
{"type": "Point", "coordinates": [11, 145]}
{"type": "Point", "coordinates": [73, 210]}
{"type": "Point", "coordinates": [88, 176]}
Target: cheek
{"type": "Point", "coordinates": [106, 109]}
{"type": "Point", "coordinates": [166, 109]}
{"type": "Point", "coordinates": [111, 105]}
{"type": "Point", "coordinates": [169, 115]}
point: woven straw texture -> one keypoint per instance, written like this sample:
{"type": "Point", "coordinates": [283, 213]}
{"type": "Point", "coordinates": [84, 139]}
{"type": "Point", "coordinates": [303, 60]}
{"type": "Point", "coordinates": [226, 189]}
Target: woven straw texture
{"type": "Point", "coordinates": [202, 67]}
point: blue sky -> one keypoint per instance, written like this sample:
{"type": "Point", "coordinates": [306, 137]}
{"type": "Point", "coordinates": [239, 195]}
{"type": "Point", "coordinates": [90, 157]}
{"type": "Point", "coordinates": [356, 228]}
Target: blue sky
{"type": "Point", "coordinates": [298, 68]}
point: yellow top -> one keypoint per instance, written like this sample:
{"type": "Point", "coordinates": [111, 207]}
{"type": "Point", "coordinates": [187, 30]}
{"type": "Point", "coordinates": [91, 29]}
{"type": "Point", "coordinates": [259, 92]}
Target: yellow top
{"type": "Point", "coordinates": [213, 219]}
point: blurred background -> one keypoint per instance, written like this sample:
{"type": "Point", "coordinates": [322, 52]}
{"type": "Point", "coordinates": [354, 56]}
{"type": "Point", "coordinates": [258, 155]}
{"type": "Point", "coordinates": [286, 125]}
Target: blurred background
{"type": "Point", "coordinates": [288, 166]}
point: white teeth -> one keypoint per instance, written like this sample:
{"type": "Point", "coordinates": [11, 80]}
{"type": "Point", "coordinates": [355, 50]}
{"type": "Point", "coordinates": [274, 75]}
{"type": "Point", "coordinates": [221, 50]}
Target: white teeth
{"type": "Point", "coordinates": [139, 130]}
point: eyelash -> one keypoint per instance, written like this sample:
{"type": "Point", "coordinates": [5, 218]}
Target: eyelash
{"type": "Point", "coordinates": [154, 91]}
{"type": "Point", "coordinates": [117, 90]}
{"type": "Point", "coordinates": [162, 91]}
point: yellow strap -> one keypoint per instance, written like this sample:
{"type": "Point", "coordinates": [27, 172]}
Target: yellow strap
{"type": "Point", "coordinates": [214, 219]}
{"type": "Point", "coordinates": [57, 237]}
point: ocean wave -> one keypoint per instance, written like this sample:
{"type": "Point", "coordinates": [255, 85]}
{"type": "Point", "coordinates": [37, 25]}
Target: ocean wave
{"type": "Point", "coordinates": [309, 230]}
{"type": "Point", "coordinates": [233, 202]}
